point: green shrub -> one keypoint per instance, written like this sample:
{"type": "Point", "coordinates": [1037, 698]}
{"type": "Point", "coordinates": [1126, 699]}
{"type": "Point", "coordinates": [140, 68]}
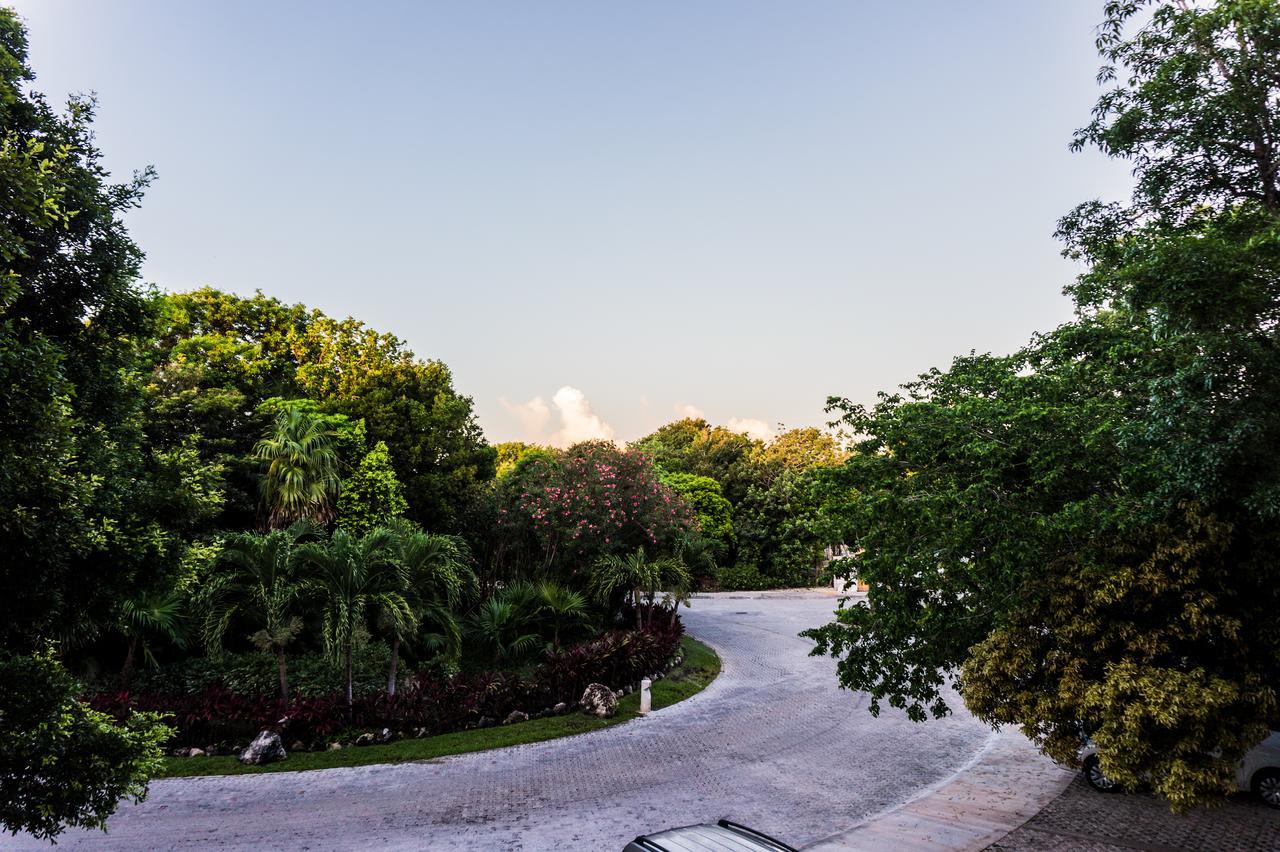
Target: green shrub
{"type": "Point", "coordinates": [311, 675]}
{"type": "Point", "coordinates": [61, 763]}
{"type": "Point", "coordinates": [737, 578]}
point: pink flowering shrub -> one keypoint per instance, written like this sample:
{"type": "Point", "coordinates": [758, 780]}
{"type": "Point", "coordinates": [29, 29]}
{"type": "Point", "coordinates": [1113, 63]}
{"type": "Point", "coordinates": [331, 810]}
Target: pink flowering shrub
{"type": "Point", "coordinates": [591, 500]}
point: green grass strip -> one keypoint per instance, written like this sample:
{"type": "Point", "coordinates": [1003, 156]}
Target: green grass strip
{"type": "Point", "coordinates": [700, 667]}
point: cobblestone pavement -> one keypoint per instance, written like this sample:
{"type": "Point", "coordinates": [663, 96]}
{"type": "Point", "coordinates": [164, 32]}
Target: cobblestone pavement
{"type": "Point", "coordinates": [1082, 819]}
{"type": "Point", "coordinates": [772, 743]}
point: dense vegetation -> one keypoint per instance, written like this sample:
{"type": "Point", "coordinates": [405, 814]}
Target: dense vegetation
{"type": "Point", "coordinates": [217, 511]}
{"type": "Point", "coordinates": [1082, 536]}
{"type": "Point", "coordinates": [227, 509]}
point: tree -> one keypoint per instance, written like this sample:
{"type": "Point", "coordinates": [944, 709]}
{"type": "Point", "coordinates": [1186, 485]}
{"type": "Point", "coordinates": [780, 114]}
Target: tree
{"type": "Point", "coordinates": [301, 476]}
{"type": "Point", "coordinates": [697, 447]}
{"type": "Point", "coordinates": [61, 763]}
{"type": "Point", "coordinates": [639, 578]}
{"type": "Point", "coordinates": [563, 611]}
{"type": "Point", "coordinates": [712, 512]}
{"type": "Point", "coordinates": [1085, 531]}
{"type": "Point", "coordinates": [221, 356]}
{"type": "Point", "coordinates": [503, 628]}
{"type": "Point", "coordinates": [435, 577]}
{"type": "Point", "coordinates": [802, 449]}
{"type": "Point", "coordinates": [777, 527]}
{"type": "Point", "coordinates": [592, 499]}
{"type": "Point", "coordinates": [84, 519]}
{"type": "Point", "coordinates": [156, 614]}
{"type": "Point", "coordinates": [258, 584]}
{"type": "Point", "coordinates": [372, 495]}
{"type": "Point", "coordinates": [355, 577]}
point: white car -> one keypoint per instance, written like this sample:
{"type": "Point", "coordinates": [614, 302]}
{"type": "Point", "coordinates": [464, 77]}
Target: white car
{"type": "Point", "coordinates": [1258, 773]}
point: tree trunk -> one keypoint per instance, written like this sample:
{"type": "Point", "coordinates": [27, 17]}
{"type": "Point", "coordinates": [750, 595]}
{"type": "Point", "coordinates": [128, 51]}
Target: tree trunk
{"type": "Point", "coordinates": [130, 664]}
{"type": "Point", "coordinates": [284, 675]}
{"type": "Point", "coordinates": [350, 699]}
{"type": "Point", "coordinates": [395, 659]}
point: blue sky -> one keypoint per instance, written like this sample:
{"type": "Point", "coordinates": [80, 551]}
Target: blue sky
{"type": "Point", "coordinates": [603, 215]}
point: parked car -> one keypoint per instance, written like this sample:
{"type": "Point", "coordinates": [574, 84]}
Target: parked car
{"type": "Point", "coordinates": [1258, 773]}
{"type": "Point", "coordinates": [724, 836]}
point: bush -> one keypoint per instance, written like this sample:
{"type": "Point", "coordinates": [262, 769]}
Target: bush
{"type": "Point", "coordinates": [61, 763]}
{"type": "Point", "coordinates": [438, 704]}
{"type": "Point", "coordinates": [311, 675]}
{"type": "Point", "coordinates": [737, 578]}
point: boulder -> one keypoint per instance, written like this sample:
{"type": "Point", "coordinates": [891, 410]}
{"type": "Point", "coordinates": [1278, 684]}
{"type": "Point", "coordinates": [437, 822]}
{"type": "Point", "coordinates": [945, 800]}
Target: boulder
{"type": "Point", "coordinates": [298, 745]}
{"type": "Point", "coordinates": [195, 752]}
{"type": "Point", "coordinates": [561, 707]}
{"type": "Point", "coordinates": [486, 722]}
{"type": "Point", "coordinates": [366, 739]}
{"type": "Point", "coordinates": [515, 716]}
{"type": "Point", "coordinates": [598, 700]}
{"type": "Point", "coordinates": [335, 746]}
{"type": "Point", "coordinates": [267, 748]}
{"type": "Point", "coordinates": [385, 736]}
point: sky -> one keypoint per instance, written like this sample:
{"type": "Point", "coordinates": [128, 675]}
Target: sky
{"type": "Point", "coordinates": [604, 216]}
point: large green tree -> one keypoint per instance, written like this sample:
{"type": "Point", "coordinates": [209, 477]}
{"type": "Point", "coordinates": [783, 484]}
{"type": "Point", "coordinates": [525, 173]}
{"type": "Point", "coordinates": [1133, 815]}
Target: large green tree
{"type": "Point", "coordinates": [1084, 532]}
{"type": "Point", "coordinates": [258, 585]}
{"type": "Point", "coordinates": [90, 517]}
{"type": "Point", "coordinates": [218, 357]}
{"type": "Point", "coordinates": [354, 580]}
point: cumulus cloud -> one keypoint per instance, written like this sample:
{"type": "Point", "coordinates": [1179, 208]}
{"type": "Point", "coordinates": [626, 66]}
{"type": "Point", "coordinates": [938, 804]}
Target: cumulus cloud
{"type": "Point", "coordinates": [573, 414]}
{"type": "Point", "coordinates": [692, 412]}
{"type": "Point", "coordinates": [577, 421]}
{"type": "Point", "coordinates": [533, 416]}
{"type": "Point", "coordinates": [752, 428]}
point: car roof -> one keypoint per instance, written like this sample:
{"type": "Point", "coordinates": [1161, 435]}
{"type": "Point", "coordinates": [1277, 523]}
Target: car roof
{"type": "Point", "coordinates": [722, 837]}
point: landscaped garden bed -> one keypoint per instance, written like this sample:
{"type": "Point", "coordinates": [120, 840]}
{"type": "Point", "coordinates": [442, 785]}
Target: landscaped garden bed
{"type": "Point", "coordinates": [699, 666]}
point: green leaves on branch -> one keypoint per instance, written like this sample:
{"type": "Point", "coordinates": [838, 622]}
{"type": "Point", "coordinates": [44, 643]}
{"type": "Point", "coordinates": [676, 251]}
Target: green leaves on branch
{"type": "Point", "coordinates": [62, 764]}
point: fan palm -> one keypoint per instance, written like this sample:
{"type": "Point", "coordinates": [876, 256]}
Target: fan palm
{"type": "Point", "coordinates": [152, 615]}
{"type": "Point", "coordinates": [502, 627]}
{"type": "Point", "coordinates": [435, 578]}
{"type": "Point", "coordinates": [301, 477]}
{"type": "Point", "coordinates": [354, 577]}
{"type": "Point", "coordinates": [636, 575]}
{"type": "Point", "coordinates": [258, 582]}
{"type": "Point", "coordinates": [562, 610]}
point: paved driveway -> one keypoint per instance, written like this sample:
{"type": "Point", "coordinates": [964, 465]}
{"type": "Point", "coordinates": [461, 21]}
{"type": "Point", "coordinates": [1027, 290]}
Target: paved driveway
{"type": "Point", "coordinates": [771, 743]}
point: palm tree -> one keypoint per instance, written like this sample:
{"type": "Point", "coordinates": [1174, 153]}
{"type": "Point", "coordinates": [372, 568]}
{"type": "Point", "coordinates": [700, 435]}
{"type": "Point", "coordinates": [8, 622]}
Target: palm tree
{"type": "Point", "coordinates": [259, 583]}
{"type": "Point", "coordinates": [676, 580]}
{"type": "Point", "coordinates": [155, 614]}
{"type": "Point", "coordinates": [301, 478]}
{"type": "Point", "coordinates": [562, 609]}
{"type": "Point", "coordinates": [636, 575]}
{"type": "Point", "coordinates": [354, 577]}
{"type": "Point", "coordinates": [435, 578]}
{"type": "Point", "coordinates": [502, 627]}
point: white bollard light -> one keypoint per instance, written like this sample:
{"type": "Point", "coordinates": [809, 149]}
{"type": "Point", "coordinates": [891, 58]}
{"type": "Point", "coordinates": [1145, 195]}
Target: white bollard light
{"type": "Point", "coordinates": [646, 700]}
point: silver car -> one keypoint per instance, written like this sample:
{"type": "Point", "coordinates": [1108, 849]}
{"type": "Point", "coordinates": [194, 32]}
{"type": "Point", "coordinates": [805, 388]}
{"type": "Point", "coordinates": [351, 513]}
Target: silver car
{"type": "Point", "coordinates": [724, 836]}
{"type": "Point", "coordinates": [1258, 773]}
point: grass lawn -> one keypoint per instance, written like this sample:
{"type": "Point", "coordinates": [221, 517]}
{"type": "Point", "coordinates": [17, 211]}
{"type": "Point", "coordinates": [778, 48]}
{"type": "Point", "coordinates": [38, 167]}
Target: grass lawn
{"type": "Point", "coordinates": [700, 667]}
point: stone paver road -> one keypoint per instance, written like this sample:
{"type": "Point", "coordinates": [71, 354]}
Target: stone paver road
{"type": "Point", "coordinates": [1082, 820]}
{"type": "Point", "coordinates": [772, 743]}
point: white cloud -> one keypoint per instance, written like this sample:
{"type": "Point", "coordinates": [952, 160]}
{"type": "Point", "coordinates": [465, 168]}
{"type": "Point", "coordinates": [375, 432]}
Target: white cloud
{"type": "Point", "coordinates": [572, 412]}
{"type": "Point", "coordinates": [577, 421]}
{"type": "Point", "coordinates": [752, 428]}
{"type": "Point", "coordinates": [533, 416]}
{"type": "Point", "coordinates": [692, 412]}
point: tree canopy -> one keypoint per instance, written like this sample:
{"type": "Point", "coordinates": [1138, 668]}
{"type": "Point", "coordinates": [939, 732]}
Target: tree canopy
{"type": "Point", "coordinates": [1081, 535]}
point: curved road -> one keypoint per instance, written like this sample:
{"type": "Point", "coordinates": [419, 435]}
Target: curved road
{"type": "Point", "coordinates": [772, 743]}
